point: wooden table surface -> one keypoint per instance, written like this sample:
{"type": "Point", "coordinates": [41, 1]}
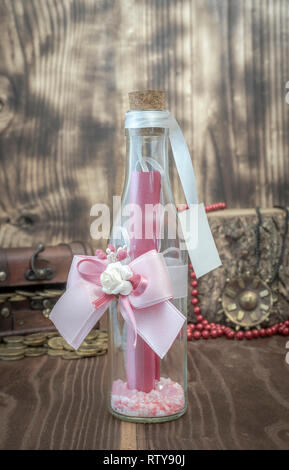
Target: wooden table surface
{"type": "Point", "coordinates": [238, 399]}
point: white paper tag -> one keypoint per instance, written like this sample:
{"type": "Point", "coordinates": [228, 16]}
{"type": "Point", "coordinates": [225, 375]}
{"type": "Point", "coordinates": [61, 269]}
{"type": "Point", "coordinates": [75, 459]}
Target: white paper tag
{"type": "Point", "coordinates": [199, 239]}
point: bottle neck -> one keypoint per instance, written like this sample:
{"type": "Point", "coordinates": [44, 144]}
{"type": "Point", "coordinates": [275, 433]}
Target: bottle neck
{"type": "Point", "coordinates": [147, 151]}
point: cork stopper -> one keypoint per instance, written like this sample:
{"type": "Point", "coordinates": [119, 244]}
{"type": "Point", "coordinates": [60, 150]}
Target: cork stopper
{"type": "Point", "coordinates": [147, 99]}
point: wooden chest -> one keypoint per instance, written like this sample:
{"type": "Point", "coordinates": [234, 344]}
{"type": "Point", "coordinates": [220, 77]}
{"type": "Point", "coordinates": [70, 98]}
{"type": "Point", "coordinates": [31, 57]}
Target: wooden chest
{"type": "Point", "coordinates": [31, 281]}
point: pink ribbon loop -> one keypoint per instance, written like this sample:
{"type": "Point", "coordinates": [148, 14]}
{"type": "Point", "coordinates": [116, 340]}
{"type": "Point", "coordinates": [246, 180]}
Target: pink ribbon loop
{"type": "Point", "coordinates": [91, 269]}
{"type": "Point", "coordinates": [147, 308]}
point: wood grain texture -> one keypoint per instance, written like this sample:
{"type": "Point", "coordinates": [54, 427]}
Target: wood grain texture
{"type": "Point", "coordinates": [66, 67]}
{"type": "Point", "coordinates": [237, 392]}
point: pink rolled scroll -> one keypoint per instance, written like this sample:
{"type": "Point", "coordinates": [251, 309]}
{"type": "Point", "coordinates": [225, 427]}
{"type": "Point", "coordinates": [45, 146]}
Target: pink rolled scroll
{"type": "Point", "coordinates": [143, 365]}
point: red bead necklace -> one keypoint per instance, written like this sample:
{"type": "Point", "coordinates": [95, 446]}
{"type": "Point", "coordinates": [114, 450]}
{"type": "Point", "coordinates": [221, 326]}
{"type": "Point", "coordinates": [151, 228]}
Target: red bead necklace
{"type": "Point", "coordinates": [205, 329]}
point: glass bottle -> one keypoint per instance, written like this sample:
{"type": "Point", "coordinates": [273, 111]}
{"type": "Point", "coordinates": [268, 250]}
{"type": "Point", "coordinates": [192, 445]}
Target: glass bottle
{"type": "Point", "coordinates": [143, 387]}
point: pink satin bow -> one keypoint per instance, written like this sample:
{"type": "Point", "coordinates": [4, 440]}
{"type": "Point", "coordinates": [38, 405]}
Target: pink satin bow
{"type": "Point", "coordinates": [147, 308]}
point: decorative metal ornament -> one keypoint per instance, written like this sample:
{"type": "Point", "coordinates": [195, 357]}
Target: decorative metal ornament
{"type": "Point", "coordinates": [247, 301]}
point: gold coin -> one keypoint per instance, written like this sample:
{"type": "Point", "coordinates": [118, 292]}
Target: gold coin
{"type": "Point", "coordinates": [88, 342]}
{"type": "Point", "coordinates": [40, 292]}
{"type": "Point", "coordinates": [17, 298]}
{"type": "Point", "coordinates": [102, 336]}
{"type": "Point", "coordinates": [55, 352]}
{"type": "Point", "coordinates": [16, 346]}
{"type": "Point", "coordinates": [92, 335]}
{"type": "Point", "coordinates": [54, 291]}
{"type": "Point", "coordinates": [13, 339]}
{"type": "Point", "coordinates": [35, 352]}
{"type": "Point", "coordinates": [91, 350]}
{"type": "Point", "coordinates": [35, 341]}
{"type": "Point", "coordinates": [6, 295]}
{"type": "Point", "coordinates": [50, 296]}
{"type": "Point", "coordinates": [98, 344]}
{"type": "Point", "coordinates": [70, 355]}
{"type": "Point", "coordinates": [56, 342]}
{"type": "Point", "coordinates": [97, 347]}
{"type": "Point", "coordinates": [4, 352]}
{"type": "Point", "coordinates": [35, 335]}
{"type": "Point", "coordinates": [11, 358]}
{"type": "Point", "coordinates": [51, 334]}
{"type": "Point", "coordinates": [25, 293]}
{"type": "Point", "coordinates": [87, 347]}
{"type": "Point", "coordinates": [47, 295]}
{"type": "Point", "coordinates": [101, 353]}
{"type": "Point", "coordinates": [102, 340]}
{"type": "Point", "coordinates": [67, 346]}
{"type": "Point", "coordinates": [86, 353]}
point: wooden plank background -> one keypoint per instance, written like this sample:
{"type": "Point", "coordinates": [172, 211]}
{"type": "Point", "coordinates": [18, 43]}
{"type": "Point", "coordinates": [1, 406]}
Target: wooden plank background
{"type": "Point", "coordinates": [66, 67]}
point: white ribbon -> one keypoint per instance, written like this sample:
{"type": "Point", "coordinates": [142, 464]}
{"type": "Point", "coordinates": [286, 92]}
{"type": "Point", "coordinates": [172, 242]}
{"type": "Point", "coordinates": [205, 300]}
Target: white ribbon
{"type": "Point", "coordinates": [199, 240]}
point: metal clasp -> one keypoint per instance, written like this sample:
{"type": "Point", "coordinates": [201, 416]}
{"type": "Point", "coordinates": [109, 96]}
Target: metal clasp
{"type": "Point", "coordinates": [35, 273]}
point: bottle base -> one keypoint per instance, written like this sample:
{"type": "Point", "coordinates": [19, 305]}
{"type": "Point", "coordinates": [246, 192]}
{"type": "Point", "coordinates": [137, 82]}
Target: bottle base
{"type": "Point", "coordinates": [166, 399]}
{"type": "Point", "coordinates": [148, 420]}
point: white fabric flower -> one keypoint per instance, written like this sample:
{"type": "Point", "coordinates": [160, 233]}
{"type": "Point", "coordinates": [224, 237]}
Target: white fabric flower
{"type": "Point", "coordinates": [114, 279]}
